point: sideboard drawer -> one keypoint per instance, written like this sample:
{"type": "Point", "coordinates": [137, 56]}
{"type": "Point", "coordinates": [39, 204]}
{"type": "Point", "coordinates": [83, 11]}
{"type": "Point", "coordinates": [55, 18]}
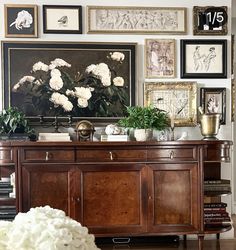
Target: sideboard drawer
{"type": "Point", "coordinates": [110, 155]}
{"type": "Point", "coordinates": [6, 155]}
{"type": "Point", "coordinates": [171, 154]}
{"type": "Point", "coordinates": [48, 155]}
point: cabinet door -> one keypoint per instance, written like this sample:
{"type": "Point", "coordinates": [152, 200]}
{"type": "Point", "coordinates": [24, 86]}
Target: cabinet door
{"type": "Point", "coordinates": [113, 198]}
{"type": "Point", "coordinates": [173, 202]}
{"type": "Point", "coordinates": [47, 184]}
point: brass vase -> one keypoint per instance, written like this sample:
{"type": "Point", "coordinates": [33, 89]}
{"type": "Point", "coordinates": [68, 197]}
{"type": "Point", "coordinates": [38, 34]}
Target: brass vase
{"type": "Point", "coordinates": [210, 124]}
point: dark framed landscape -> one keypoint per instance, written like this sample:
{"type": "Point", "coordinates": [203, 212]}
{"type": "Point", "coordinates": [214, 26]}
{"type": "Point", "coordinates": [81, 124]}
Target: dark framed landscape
{"type": "Point", "coordinates": [84, 80]}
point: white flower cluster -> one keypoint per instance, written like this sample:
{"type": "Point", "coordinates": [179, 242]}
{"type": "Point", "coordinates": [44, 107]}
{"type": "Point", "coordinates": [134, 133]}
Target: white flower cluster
{"type": "Point", "coordinates": [100, 71]}
{"type": "Point", "coordinates": [83, 95]}
{"type": "Point", "coordinates": [117, 56]}
{"type": "Point", "coordinates": [44, 228]}
{"type": "Point", "coordinates": [23, 80]}
{"type": "Point", "coordinates": [24, 20]}
{"type": "Point", "coordinates": [61, 100]}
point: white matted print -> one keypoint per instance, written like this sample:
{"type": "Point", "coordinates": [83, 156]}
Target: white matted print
{"type": "Point", "coordinates": [160, 58]}
{"type": "Point", "coordinates": [113, 19]}
{"type": "Point", "coordinates": [62, 19]}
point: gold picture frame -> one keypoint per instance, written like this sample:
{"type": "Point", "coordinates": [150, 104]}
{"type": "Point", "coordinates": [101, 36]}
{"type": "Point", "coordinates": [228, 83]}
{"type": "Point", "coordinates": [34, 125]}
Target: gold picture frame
{"type": "Point", "coordinates": [160, 58]}
{"type": "Point", "coordinates": [205, 20]}
{"type": "Point", "coordinates": [152, 20]}
{"type": "Point", "coordinates": [14, 26]}
{"type": "Point", "coordinates": [178, 99]}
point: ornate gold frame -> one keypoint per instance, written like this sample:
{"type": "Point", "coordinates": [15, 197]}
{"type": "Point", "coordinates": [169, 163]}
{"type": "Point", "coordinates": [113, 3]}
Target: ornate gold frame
{"type": "Point", "coordinates": [108, 22]}
{"type": "Point", "coordinates": [180, 102]}
{"type": "Point", "coordinates": [196, 31]}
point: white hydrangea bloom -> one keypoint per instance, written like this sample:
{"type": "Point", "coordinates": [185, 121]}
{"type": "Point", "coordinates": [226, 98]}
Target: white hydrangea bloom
{"type": "Point", "coordinates": [61, 100]}
{"type": "Point", "coordinates": [117, 56]}
{"type": "Point", "coordinates": [40, 66]}
{"type": "Point", "coordinates": [24, 20]}
{"type": "Point", "coordinates": [82, 92]}
{"type": "Point", "coordinates": [45, 228]}
{"type": "Point", "coordinates": [82, 102]}
{"type": "Point", "coordinates": [118, 81]}
{"type": "Point", "coordinates": [55, 72]}
{"type": "Point", "coordinates": [56, 82]}
{"type": "Point", "coordinates": [102, 72]}
{"type": "Point", "coordinates": [58, 62]}
{"type": "Point", "coordinates": [25, 80]}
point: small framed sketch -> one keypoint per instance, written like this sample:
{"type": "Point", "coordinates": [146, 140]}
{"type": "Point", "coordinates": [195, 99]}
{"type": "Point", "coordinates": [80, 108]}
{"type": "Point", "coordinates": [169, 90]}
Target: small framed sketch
{"type": "Point", "coordinates": [213, 100]}
{"type": "Point", "coordinates": [21, 20]}
{"type": "Point", "coordinates": [210, 20]}
{"type": "Point", "coordinates": [63, 19]}
{"type": "Point", "coordinates": [178, 99]}
{"type": "Point", "coordinates": [159, 58]}
{"type": "Point", "coordinates": [203, 58]}
{"type": "Point", "coordinates": [127, 19]}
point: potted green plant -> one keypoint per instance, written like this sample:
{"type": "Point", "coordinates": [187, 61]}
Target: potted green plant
{"type": "Point", "coordinates": [13, 121]}
{"type": "Point", "coordinates": [144, 120]}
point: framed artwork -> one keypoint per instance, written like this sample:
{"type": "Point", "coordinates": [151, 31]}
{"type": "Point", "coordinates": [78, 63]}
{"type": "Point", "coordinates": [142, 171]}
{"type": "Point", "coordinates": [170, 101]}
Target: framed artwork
{"type": "Point", "coordinates": [178, 99]}
{"type": "Point", "coordinates": [95, 81]}
{"type": "Point", "coordinates": [63, 19]}
{"type": "Point", "coordinates": [110, 19]}
{"type": "Point", "coordinates": [210, 20]}
{"type": "Point", "coordinates": [159, 58]}
{"type": "Point", "coordinates": [21, 20]}
{"type": "Point", "coordinates": [203, 58]}
{"type": "Point", "coordinates": [213, 100]}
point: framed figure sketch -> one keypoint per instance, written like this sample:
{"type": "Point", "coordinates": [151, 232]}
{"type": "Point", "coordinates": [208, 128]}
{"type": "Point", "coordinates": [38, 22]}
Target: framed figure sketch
{"type": "Point", "coordinates": [160, 58]}
{"type": "Point", "coordinates": [21, 20]}
{"type": "Point", "coordinates": [203, 58]}
{"type": "Point", "coordinates": [213, 100]}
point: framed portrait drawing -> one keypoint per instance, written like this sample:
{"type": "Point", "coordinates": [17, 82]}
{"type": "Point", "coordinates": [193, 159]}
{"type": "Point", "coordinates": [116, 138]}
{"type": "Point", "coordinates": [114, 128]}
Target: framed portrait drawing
{"type": "Point", "coordinates": [63, 19]}
{"type": "Point", "coordinates": [178, 99]}
{"type": "Point", "coordinates": [152, 20]}
{"type": "Point", "coordinates": [213, 100]}
{"type": "Point", "coordinates": [210, 20]}
{"type": "Point", "coordinates": [159, 58]}
{"type": "Point", "coordinates": [21, 20]}
{"type": "Point", "coordinates": [203, 58]}
{"type": "Point", "coordinates": [93, 81]}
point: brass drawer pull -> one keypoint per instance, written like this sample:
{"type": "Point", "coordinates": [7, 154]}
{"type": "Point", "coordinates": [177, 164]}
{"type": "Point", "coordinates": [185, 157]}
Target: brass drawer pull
{"type": "Point", "coordinates": [171, 154]}
{"type": "Point", "coordinates": [47, 156]}
{"type": "Point", "coordinates": [111, 156]}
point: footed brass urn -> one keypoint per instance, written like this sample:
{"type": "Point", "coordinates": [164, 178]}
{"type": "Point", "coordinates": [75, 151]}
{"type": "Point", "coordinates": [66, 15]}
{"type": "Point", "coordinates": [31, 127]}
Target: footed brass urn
{"type": "Point", "coordinates": [210, 124]}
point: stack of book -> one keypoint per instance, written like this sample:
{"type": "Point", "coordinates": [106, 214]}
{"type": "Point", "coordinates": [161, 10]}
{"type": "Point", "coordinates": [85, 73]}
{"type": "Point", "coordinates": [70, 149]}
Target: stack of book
{"type": "Point", "coordinates": [5, 188]}
{"type": "Point", "coordinates": [114, 138]}
{"type": "Point", "coordinates": [215, 214]}
{"type": "Point", "coordinates": [54, 137]}
{"type": "Point", "coordinates": [220, 187]}
{"type": "Point", "coordinates": [7, 212]}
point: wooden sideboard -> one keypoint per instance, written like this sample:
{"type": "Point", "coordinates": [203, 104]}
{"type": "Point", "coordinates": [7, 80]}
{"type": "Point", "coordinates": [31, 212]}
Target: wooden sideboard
{"type": "Point", "coordinates": [119, 188]}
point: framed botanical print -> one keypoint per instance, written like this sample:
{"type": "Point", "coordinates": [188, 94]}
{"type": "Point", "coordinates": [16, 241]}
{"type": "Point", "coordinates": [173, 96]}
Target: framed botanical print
{"type": "Point", "coordinates": [159, 58]}
{"type": "Point", "coordinates": [63, 19]}
{"type": "Point", "coordinates": [94, 81]}
{"type": "Point", "coordinates": [178, 99]}
{"type": "Point", "coordinates": [210, 20]}
{"type": "Point", "coordinates": [21, 20]}
{"type": "Point", "coordinates": [203, 58]}
{"type": "Point", "coordinates": [213, 100]}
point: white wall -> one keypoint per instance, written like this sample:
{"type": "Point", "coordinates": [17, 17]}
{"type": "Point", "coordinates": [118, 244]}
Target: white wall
{"type": "Point", "coordinates": [194, 133]}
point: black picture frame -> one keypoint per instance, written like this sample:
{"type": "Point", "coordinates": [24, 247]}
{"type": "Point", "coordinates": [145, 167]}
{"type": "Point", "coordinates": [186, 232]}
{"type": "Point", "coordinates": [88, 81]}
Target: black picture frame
{"type": "Point", "coordinates": [111, 101]}
{"type": "Point", "coordinates": [213, 100]}
{"type": "Point", "coordinates": [62, 19]}
{"type": "Point", "coordinates": [203, 58]}
{"type": "Point", "coordinates": [14, 27]}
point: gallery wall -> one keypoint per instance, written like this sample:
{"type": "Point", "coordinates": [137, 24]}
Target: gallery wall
{"type": "Point", "coordinates": [226, 131]}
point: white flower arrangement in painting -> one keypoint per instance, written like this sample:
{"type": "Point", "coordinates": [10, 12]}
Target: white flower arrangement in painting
{"type": "Point", "coordinates": [98, 92]}
{"type": "Point", "coordinates": [45, 228]}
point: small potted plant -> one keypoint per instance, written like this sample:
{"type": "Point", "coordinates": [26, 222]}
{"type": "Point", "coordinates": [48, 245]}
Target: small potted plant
{"type": "Point", "coordinates": [144, 120]}
{"type": "Point", "coordinates": [12, 122]}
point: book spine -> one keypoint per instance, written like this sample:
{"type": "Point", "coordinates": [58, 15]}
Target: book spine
{"type": "Point", "coordinates": [215, 205]}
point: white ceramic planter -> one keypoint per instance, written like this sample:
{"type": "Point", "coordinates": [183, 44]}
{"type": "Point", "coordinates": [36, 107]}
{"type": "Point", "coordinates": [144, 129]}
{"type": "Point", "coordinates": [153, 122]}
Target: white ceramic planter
{"type": "Point", "coordinates": [143, 134]}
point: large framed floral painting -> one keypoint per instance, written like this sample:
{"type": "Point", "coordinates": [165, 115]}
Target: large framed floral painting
{"type": "Point", "coordinates": [84, 80]}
